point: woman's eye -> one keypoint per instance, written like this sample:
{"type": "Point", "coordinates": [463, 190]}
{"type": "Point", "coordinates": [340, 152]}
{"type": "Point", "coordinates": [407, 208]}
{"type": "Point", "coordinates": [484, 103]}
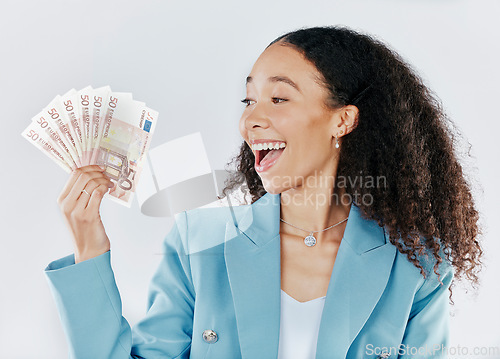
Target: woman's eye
{"type": "Point", "coordinates": [246, 100]}
{"type": "Point", "coordinates": [281, 99]}
{"type": "Point", "coordinates": [274, 99]}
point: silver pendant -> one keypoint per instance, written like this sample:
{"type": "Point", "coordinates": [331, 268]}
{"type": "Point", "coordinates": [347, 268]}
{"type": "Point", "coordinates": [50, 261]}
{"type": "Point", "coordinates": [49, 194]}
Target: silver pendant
{"type": "Point", "coordinates": [310, 240]}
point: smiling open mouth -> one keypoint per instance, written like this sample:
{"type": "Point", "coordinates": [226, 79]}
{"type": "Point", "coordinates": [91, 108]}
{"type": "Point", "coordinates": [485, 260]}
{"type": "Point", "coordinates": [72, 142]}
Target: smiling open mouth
{"type": "Point", "coordinates": [266, 154]}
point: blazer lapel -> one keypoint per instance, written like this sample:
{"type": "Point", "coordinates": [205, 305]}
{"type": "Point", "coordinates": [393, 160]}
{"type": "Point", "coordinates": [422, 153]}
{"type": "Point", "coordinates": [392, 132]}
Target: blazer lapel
{"type": "Point", "coordinates": [360, 274]}
{"type": "Point", "coordinates": [252, 253]}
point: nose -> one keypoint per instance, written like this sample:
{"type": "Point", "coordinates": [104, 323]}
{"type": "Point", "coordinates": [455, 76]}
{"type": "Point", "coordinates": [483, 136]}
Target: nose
{"type": "Point", "coordinates": [255, 117]}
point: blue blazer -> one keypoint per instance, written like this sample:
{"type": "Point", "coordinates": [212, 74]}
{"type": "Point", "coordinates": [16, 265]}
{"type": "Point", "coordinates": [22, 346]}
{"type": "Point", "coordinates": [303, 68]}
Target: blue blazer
{"type": "Point", "coordinates": [221, 272]}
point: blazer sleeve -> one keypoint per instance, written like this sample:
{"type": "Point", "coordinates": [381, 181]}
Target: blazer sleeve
{"type": "Point", "coordinates": [90, 307]}
{"type": "Point", "coordinates": [427, 329]}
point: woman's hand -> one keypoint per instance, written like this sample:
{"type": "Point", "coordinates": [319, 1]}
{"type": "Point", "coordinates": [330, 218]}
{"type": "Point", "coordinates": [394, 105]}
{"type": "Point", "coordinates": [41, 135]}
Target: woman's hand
{"type": "Point", "coordinates": [81, 211]}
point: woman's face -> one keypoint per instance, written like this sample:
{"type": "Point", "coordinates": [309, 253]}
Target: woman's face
{"type": "Point", "coordinates": [285, 103]}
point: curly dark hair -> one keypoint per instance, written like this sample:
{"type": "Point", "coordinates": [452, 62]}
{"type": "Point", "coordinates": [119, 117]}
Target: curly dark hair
{"type": "Point", "coordinates": [403, 135]}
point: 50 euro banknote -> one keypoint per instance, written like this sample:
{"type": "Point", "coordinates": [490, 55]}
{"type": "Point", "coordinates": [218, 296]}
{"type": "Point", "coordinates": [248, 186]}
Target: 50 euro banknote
{"type": "Point", "coordinates": [123, 146]}
{"type": "Point", "coordinates": [114, 131]}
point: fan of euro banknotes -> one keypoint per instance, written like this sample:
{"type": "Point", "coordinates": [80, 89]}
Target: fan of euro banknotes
{"type": "Point", "coordinates": [97, 127]}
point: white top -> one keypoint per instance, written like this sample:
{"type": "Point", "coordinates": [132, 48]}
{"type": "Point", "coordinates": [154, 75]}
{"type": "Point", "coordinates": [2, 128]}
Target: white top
{"type": "Point", "coordinates": [299, 327]}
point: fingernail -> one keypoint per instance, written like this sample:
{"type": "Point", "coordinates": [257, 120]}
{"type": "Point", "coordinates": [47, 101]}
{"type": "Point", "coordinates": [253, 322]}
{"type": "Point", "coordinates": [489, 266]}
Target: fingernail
{"type": "Point", "coordinates": [102, 167]}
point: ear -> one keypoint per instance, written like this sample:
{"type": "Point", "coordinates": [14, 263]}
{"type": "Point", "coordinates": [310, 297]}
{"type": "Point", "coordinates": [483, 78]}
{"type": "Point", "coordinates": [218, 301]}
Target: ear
{"type": "Point", "coordinates": [352, 115]}
{"type": "Point", "coordinates": [347, 120]}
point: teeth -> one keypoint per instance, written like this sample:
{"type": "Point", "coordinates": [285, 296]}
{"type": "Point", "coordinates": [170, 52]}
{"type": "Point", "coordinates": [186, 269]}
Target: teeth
{"type": "Point", "coordinates": [268, 146]}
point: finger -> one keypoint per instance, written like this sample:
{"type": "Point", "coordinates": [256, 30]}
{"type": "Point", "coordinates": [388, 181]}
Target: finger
{"type": "Point", "coordinates": [69, 185]}
{"type": "Point", "coordinates": [88, 178]}
{"type": "Point", "coordinates": [96, 198]}
{"type": "Point", "coordinates": [74, 176]}
{"type": "Point", "coordinates": [82, 200]}
{"type": "Point", "coordinates": [90, 187]}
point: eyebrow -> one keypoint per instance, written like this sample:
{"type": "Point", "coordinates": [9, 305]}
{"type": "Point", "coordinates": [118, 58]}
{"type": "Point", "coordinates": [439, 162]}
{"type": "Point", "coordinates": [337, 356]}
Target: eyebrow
{"type": "Point", "coordinates": [278, 79]}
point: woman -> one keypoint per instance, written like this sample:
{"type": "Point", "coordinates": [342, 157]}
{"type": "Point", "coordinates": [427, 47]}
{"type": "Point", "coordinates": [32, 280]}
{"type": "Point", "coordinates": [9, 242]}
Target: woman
{"type": "Point", "coordinates": [360, 218]}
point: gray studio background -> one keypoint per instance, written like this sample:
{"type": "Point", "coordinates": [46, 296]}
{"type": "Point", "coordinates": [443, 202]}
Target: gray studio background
{"type": "Point", "coordinates": [189, 60]}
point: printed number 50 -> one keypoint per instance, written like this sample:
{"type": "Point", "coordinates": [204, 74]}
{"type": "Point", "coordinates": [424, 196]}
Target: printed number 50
{"type": "Point", "coordinates": [126, 183]}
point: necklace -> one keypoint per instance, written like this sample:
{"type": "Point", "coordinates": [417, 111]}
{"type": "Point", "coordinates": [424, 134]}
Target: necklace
{"type": "Point", "coordinates": [310, 240]}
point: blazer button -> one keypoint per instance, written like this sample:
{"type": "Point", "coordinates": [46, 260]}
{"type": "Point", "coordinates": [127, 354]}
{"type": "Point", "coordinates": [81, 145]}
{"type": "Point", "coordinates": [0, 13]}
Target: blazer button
{"type": "Point", "coordinates": [209, 336]}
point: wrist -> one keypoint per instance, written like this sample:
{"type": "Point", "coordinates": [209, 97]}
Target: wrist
{"type": "Point", "coordinates": [83, 255]}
